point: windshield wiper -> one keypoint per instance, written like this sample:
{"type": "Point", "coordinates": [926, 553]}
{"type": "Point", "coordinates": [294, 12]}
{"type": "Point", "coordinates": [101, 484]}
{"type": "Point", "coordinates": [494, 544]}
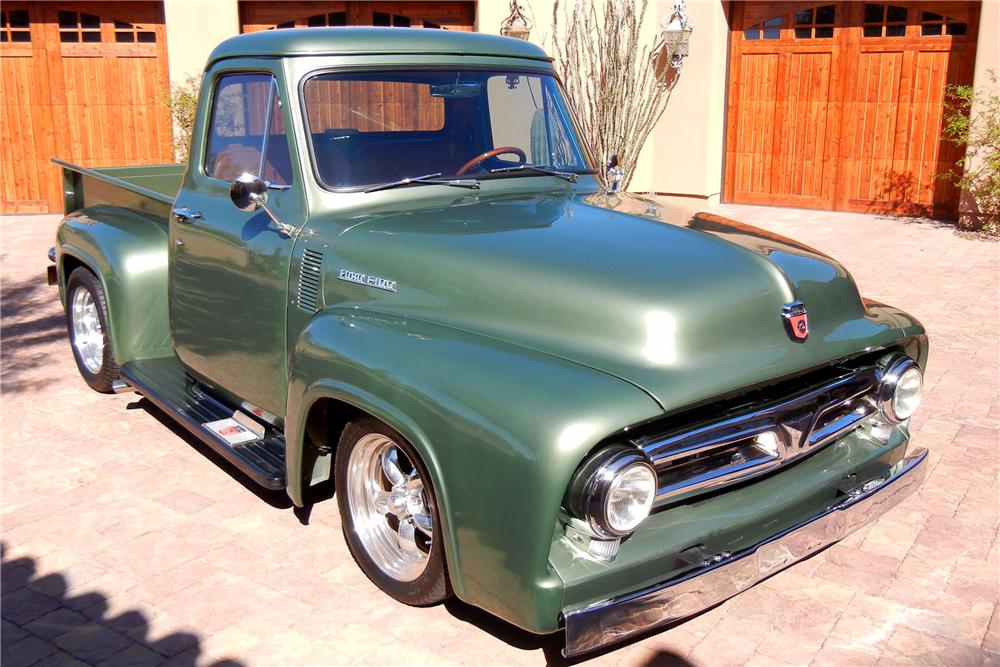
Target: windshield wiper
{"type": "Point", "coordinates": [547, 171]}
{"type": "Point", "coordinates": [430, 179]}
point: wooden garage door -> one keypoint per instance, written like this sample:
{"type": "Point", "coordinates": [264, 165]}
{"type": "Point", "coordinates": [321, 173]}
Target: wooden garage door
{"type": "Point", "coordinates": [83, 81]}
{"type": "Point", "coordinates": [265, 15]}
{"type": "Point", "coordinates": [838, 105]}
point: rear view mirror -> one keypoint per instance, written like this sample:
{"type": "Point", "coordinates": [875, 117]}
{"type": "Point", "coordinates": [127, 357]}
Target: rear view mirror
{"type": "Point", "coordinates": [472, 89]}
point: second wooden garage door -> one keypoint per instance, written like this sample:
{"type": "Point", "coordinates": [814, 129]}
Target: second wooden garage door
{"type": "Point", "coordinates": [838, 105]}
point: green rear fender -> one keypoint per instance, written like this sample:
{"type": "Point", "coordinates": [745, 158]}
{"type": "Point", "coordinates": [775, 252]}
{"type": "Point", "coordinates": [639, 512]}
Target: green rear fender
{"type": "Point", "coordinates": [128, 252]}
{"type": "Point", "coordinates": [500, 428]}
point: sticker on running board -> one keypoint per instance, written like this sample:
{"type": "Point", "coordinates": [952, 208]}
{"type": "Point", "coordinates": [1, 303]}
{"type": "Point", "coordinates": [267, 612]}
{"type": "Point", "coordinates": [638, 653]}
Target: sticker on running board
{"type": "Point", "coordinates": [231, 431]}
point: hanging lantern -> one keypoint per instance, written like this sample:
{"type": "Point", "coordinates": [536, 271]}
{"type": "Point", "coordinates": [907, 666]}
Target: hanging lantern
{"type": "Point", "coordinates": [516, 25]}
{"type": "Point", "coordinates": [675, 33]}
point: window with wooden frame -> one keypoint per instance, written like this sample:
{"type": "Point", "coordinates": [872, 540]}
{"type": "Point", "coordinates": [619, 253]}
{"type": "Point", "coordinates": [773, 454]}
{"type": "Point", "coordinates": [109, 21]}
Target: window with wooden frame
{"type": "Point", "coordinates": [333, 20]}
{"type": "Point", "coordinates": [884, 20]}
{"type": "Point", "coordinates": [130, 33]}
{"type": "Point", "coordinates": [79, 27]}
{"type": "Point", "coordinates": [14, 26]}
{"type": "Point", "coordinates": [936, 25]}
{"type": "Point", "coordinates": [769, 29]}
{"type": "Point", "coordinates": [815, 22]}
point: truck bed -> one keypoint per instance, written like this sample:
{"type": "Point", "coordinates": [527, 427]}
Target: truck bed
{"type": "Point", "coordinates": [148, 188]}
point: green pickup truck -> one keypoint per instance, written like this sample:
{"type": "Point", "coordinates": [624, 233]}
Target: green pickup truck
{"type": "Point", "coordinates": [391, 263]}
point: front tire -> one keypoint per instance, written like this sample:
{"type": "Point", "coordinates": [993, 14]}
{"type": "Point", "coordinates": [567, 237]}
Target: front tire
{"type": "Point", "coordinates": [389, 515]}
{"type": "Point", "coordinates": [87, 324]}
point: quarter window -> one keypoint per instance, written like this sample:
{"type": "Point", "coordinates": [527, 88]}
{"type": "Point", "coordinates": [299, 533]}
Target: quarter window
{"type": "Point", "coordinates": [324, 20]}
{"type": "Point", "coordinates": [932, 25]}
{"type": "Point", "coordinates": [884, 20]}
{"type": "Point", "coordinates": [14, 26]}
{"type": "Point", "coordinates": [247, 132]}
{"type": "Point", "coordinates": [128, 33]}
{"type": "Point", "coordinates": [769, 29]}
{"type": "Point", "coordinates": [815, 23]}
{"type": "Point", "coordinates": [79, 27]}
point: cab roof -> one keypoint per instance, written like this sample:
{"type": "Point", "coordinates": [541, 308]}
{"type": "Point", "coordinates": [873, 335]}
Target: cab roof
{"type": "Point", "coordinates": [373, 41]}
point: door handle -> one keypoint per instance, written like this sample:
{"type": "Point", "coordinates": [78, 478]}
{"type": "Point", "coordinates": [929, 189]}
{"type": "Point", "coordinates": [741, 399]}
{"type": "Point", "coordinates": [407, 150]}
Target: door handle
{"type": "Point", "coordinates": [185, 215]}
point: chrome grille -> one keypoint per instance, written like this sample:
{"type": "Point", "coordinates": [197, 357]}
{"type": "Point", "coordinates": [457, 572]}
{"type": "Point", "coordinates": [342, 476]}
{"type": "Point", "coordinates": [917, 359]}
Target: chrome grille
{"type": "Point", "coordinates": [309, 280]}
{"type": "Point", "coordinates": [740, 446]}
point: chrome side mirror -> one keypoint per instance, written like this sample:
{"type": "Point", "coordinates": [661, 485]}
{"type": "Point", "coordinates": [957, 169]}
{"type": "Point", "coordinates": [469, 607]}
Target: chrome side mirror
{"type": "Point", "coordinates": [249, 193]}
{"type": "Point", "coordinates": [613, 175]}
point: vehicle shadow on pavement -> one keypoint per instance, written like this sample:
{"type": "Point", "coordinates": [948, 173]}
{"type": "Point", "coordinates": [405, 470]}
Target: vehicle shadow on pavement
{"type": "Point", "coordinates": [276, 499]}
{"type": "Point", "coordinates": [552, 645]}
{"type": "Point", "coordinates": [42, 621]}
{"type": "Point", "coordinates": [32, 319]}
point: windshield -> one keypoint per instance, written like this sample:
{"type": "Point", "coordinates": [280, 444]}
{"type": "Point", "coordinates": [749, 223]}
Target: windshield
{"type": "Point", "coordinates": [378, 127]}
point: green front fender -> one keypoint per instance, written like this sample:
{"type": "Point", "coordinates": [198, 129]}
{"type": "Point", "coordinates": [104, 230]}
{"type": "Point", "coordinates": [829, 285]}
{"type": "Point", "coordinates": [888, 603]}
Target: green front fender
{"type": "Point", "coordinates": [128, 252]}
{"type": "Point", "coordinates": [500, 428]}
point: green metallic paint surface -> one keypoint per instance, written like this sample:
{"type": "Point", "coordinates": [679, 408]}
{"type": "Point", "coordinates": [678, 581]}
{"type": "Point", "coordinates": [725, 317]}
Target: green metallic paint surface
{"type": "Point", "coordinates": [501, 430]}
{"type": "Point", "coordinates": [128, 252]}
{"type": "Point", "coordinates": [229, 279]}
{"type": "Point", "coordinates": [533, 320]}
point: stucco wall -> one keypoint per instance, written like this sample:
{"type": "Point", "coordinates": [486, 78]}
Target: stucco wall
{"type": "Point", "coordinates": [987, 59]}
{"type": "Point", "coordinates": [194, 28]}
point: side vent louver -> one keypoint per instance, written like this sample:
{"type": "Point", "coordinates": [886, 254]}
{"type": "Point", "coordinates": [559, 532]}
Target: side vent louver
{"type": "Point", "coordinates": [309, 280]}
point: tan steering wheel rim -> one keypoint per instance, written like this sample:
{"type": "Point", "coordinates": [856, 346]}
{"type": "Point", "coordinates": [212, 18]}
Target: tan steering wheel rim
{"type": "Point", "coordinates": [500, 150]}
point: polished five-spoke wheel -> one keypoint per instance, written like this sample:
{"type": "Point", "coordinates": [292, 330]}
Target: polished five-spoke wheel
{"type": "Point", "coordinates": [88, 334]}
{"type": "Point", "coordinates": [389, 507]}
{"type": "Point", "coordinates": [389, 514]}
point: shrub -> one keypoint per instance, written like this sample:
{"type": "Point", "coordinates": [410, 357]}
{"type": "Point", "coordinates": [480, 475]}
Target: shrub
{"type": "Point", "coordinates": [972, 120]}
{"type": "Point", "coordinates": [183, 104]}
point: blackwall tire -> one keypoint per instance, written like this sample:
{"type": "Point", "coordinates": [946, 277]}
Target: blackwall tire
{"type": "Point", "coordinates": [87, 325]}
{"type": "Point", "coordinates": [389, 513]}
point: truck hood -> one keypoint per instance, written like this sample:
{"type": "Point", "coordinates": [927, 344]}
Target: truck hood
{"type": "Point", "coordinates": [686, 309]}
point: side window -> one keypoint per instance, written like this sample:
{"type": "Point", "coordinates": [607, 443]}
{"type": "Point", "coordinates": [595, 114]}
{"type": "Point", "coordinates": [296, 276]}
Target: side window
{"type": "Point", "coordinates": [247, 130]}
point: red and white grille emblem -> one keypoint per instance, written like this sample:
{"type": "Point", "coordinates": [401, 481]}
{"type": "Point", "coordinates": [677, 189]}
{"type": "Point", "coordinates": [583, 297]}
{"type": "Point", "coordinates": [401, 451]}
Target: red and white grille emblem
{"type": "Point", "coordinates": [796, 320]}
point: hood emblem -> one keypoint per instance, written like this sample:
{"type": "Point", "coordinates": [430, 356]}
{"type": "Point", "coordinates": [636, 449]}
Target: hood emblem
{"type": "Point", "coordinates": [796, 320]}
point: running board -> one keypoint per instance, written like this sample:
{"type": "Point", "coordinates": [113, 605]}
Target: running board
{"type": "Point", "coordinates": [166, 384]}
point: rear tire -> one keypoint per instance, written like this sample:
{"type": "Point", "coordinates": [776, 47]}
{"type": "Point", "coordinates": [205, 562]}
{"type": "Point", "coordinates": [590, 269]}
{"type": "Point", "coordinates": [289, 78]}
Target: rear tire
{"type": "Point", "coordinates": [389, 514]}
{"type": "Point", "coordinates": [87, 324]}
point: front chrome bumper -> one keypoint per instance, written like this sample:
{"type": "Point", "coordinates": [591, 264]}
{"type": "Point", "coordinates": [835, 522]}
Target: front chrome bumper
{"type": "Point", "coordinates": [596, 625]}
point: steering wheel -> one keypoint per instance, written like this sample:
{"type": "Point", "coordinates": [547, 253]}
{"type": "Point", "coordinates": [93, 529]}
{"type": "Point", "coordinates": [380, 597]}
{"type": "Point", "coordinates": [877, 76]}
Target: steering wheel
{"type": "Point", "coordinates": [501, 150]}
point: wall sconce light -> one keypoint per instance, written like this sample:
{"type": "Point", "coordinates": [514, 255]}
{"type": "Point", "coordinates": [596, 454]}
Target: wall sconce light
{"type": "Point", "coordinates": [676, 32]}
{"type": "Point", "coordinates": [516, 25]}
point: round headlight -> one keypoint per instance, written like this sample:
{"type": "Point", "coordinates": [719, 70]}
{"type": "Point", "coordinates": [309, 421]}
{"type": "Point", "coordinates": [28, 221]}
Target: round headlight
{"type": "Point", "coordinates": [630, 498]}
{"type": "Point", "coordinates": [899, 394]}
{"type": "Point", "coordinates": [618, 492]}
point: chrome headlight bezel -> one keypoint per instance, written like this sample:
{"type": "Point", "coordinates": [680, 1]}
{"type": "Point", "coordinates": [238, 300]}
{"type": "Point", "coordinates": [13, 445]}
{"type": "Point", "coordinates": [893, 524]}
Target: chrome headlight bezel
{"type": "Point", "coordinates": [591, 490]}
{"type": "Point", "coordinates": [889, 384]}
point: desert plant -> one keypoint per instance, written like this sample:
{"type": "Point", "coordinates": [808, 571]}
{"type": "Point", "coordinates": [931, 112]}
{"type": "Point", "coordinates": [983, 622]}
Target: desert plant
{"type": "Point", "coordinates": [619, 82]}
{"type": "Point", "coordinates": [972, 121]}
{"type": "Point", "coordinates": [183, 104]}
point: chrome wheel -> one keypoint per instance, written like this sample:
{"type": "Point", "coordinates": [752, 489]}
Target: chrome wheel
{"type": "Point", "coordinates": [389, 509]}
{"type": "Point", "coordinates": [88, 334]}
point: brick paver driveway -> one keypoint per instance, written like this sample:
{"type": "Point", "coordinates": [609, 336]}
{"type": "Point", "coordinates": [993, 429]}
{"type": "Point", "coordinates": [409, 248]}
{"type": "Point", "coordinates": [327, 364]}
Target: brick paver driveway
{"type": "Point", "coordinates": [126, 543]}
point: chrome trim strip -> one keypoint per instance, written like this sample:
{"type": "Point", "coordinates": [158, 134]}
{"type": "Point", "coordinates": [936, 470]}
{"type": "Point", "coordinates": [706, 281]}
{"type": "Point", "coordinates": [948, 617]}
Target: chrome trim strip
{"type": "Point", "coordinates": [594, 626]}
{"type": "Point", "coordinates": [797, 419]}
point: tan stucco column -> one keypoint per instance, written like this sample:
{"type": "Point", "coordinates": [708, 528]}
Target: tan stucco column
{"type": "Point", "coordinates": [194, 28]}
{"type": "Point", "coordinates": [987, 59]}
